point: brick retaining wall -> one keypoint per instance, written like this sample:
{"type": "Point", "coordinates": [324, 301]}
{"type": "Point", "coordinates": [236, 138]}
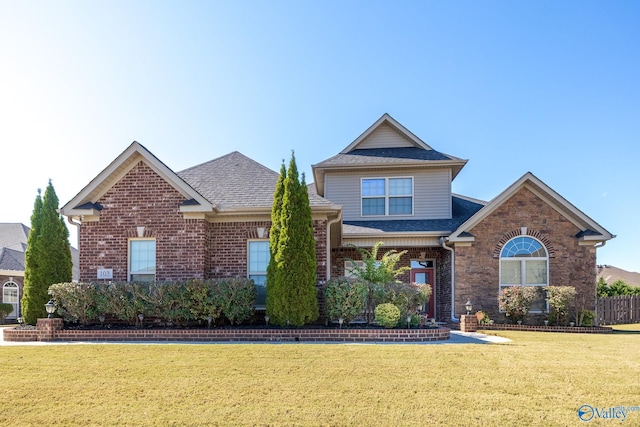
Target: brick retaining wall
{"type": "Point", "coordinates": [20, 334]}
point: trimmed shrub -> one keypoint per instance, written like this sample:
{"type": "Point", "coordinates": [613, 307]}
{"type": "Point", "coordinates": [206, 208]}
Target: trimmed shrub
{"type": "Point", "coordinates": [75, 302]}
{"type": "Point", "coordinates": [344, 298]}
{"type": "Point", "coordinates": [407, 296]}
{"type": "Point", "coordinates": [5, 310]}
{"type": "Point", "coordinates": [119, 300]}
{"type": "Point", "coordinates": [205, 302]}
{"type": "Point", "coordinates": [560, 299]}
{"type": "Point", "coordinates": [237, 298]}
{"type": "Point", "coordinates": [515, 301]}
{"type": "Point", "coordinates": [387, 315]}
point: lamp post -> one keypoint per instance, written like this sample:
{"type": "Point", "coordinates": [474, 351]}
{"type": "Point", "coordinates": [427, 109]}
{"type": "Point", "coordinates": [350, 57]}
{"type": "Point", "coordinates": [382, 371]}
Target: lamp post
{"type": "Point", "coordinates": [409, 322]}
{"type": "Point", "coordinates": [51, 308]}
{"type": "Point", "coordinates": [468, 307]}
{"type": "Point", "coordinates": [340, 321]}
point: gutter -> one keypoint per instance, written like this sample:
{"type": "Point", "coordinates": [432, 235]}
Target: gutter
{"type": "Point", "coordinates": [453, 280]}
{"type": "Point", "coordinates": [329, 224]}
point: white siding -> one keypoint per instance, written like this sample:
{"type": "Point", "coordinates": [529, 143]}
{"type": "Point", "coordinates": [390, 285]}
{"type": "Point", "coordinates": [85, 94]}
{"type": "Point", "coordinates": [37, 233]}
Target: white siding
{"type": "Point", "coordinates": [385, 137]}
{"type": "Point", "coordinates": [431, 193]}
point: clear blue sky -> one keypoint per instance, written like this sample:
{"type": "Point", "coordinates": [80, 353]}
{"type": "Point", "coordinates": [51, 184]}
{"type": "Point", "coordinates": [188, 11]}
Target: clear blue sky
{"type": "Point", "coordinates": [551, 87]}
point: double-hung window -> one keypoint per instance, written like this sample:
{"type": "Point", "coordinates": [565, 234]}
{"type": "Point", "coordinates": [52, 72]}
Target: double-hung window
{"type": "Point", "coordinates": [387, 196]}
{"type": "Point", "coordinates": [524, 262]}
{"type": "Point", "coordinates": [142, 260]}
{"type": "Point", "coordinates": [258, 261]}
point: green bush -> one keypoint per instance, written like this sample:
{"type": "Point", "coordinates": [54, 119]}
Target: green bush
{"type": "Point", "coordinates": [406, 296]}
{"type": "Point", "coordinates": [75, 302]}
{"type": "Point", "coordinates": [5, 310]}
{"type": "Point", "coordinates": [344, 298]}
{"type": "Point", "coordinates": [171, 302]}
{"type": "Point", "coordinates": [205, 302]}
{"type": "Point", "coordinates": [237, 298]}
{"type": "Point", "coordinates": [560, 299]}
{"type": "Point", "coordinates": [119, 300]}
{"type": "Point", "coordinates": [387, 315]}
{"type": "Point", "coordinates": [515, 301]}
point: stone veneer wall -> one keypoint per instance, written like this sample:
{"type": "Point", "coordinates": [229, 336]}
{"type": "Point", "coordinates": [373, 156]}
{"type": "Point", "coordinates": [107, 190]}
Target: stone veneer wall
{"type": "Point", "coordinates": [477, 267]}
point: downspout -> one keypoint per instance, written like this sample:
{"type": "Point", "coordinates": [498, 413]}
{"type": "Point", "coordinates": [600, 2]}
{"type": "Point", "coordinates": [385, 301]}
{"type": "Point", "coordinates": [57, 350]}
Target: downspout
{"type": "Point", "coordinates": [77, 224]}
{"type": "Point", "coordinates": [329, 224]}
{"type": "Point", "coordinates": [453, 281]}
{"type": "Point", "coordinates": [597, 246]}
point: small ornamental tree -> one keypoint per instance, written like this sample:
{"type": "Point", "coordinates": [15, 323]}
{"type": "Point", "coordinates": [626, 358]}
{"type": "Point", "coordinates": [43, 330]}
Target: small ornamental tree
{"type": "Point", "coordinates": [560, 299]}
{"type": "Point", "coordinates": [515, 301]}
{"type": "Point", "coordinates": [292, 290]}
{"type": "Point", "coordinates": [48, 256]}
{"type": "Point", "coordinates": [377, 273]}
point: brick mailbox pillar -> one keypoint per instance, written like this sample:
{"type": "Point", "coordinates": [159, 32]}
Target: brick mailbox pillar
{"type": "Point", "coordinates": [468, 323]}
{"type": "Point", "coordinates": [47, 328]}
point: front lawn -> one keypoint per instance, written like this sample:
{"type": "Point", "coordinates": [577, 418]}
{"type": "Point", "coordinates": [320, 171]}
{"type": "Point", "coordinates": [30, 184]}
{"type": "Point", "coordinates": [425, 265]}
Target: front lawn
{"type": "Point", "coordinates": [538, 379]}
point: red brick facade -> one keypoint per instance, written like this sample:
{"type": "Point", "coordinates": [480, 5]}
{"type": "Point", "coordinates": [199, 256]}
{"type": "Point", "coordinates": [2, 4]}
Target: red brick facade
{"type": "Point", "coordinates": [185, 248]}
{"type": "Point", "coordinates": [442, 263]}
{"type": "Point", "coordinates": [143, 199]}
{"type": "Point", "coordinates": [477, 267]}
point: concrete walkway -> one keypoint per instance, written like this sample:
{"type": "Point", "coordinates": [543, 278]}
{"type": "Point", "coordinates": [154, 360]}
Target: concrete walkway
{"type": "Point", "coordinates": [457, 337]}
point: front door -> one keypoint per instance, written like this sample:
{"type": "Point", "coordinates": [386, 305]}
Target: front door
{"type": "Point", "coordinates": [425, 275]}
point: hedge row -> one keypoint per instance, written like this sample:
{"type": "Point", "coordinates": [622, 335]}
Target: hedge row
{"type": "Point", "coordinates": [173, 302]}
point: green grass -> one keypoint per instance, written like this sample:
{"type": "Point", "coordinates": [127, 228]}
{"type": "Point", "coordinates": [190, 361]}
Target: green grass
{"type": "Point", "coordinates": [537, 379]}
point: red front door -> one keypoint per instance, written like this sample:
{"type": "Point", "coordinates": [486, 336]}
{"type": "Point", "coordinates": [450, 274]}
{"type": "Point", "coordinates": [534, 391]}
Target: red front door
{"type": "Point", "coordinates": [425, 275]}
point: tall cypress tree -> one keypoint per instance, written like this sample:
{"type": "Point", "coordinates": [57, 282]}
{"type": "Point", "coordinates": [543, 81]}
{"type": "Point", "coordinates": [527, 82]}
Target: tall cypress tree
{"type": "Point", "coordinates": [274, 236]}
{"type": "Point", "coordinates": [48, 257]}
{"type": "Point", "coordinates": [295, 298]}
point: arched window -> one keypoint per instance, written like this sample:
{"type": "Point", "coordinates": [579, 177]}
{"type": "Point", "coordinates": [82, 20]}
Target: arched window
{"type": "Point", "coordinates": [524, 261]}
{"type": "Point", "coordinates": [10, 296]}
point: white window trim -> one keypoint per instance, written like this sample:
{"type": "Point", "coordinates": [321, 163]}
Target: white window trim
{"type": "Point", "coordinates": [10, 284]}
{"type": "Point", "coordinates": [386, 196]}
{"type": "Point", "coordinates": [129, 273]}
{"type": "Point", "coordinates": [256, 273]}
{"type": "Point", "coordinates": [523, 273]}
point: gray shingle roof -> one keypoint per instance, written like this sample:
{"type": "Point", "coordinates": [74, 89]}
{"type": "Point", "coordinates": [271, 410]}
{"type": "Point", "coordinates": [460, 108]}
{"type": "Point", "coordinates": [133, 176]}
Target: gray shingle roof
{"type": "Point", "coordinates": [11, 259]}
{"type": "Point", "coordinates": [385, 156]}
{"type": "Point", "coordinates": [462, 209]}
{"type": "Point", "coordinates": [235, 181]}
{"type": "Point", "coordinates": [14, 236]}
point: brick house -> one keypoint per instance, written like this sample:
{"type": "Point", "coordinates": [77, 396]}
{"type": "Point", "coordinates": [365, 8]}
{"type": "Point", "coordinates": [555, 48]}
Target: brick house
{"type": "Point", "coordinates": [13, 246]}
{"type": "Point", "coordinates": [139, 220]}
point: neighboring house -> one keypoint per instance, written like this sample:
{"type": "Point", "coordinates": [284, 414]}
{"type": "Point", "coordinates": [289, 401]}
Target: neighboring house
{"type": "Point", "coordinates": [139, 220]}
{"type": "Point", "coordinates": [13, 245]}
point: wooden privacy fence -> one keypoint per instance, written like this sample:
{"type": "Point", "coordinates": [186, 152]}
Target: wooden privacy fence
{"type": "Point", "coordinates": [617, 310]}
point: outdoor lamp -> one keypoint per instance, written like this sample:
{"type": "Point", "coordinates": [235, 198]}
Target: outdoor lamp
{"type": "Point", "coordinates": [51, 308]}
{"type": "Point", "coordinates": [341, 321]}
{"type": "Point", "coordinates": [468, 306]}
{"type": "Point", "coordinates": [409, 322]}
{"type": "Point", "coordinates": [266, 320]}
{"type": "Point", "coordinates": [19, 319]}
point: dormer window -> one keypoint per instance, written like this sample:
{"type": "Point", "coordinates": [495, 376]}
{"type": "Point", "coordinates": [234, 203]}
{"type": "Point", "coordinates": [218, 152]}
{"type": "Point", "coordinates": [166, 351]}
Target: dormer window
{"type": "Point", "coordinates": [387, 196]}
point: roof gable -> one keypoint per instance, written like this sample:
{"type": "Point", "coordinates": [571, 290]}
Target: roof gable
{"type": "Point", "coordinates": [85, 202]}
{"type": "Point", "coordinates": [386, 145]}
{"type": "Point", "coordinates": [386, 132]}
{"type": "Point", "coordinates": [590, 230]}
